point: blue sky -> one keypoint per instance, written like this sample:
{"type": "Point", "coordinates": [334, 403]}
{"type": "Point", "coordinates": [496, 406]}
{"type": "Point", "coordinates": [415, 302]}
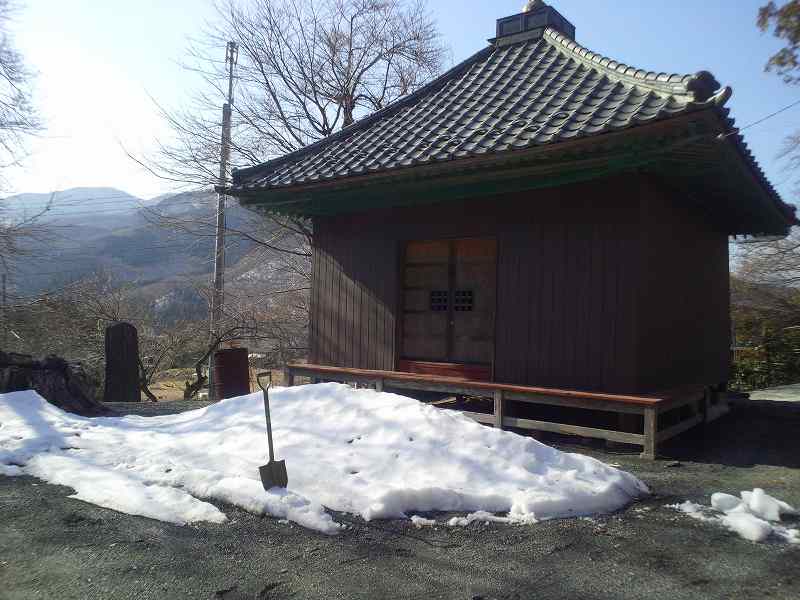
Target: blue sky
{"type": "Point", "coordinates": [101, 63]}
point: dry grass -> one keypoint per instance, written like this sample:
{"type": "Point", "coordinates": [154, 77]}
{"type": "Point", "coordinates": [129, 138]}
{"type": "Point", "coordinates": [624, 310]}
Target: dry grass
{"type": "Point", "coordinates": [169, 385]}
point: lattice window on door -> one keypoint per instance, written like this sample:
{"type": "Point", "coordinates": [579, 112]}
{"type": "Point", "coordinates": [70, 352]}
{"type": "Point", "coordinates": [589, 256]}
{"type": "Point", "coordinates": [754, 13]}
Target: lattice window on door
{"type": "Point", "coordinates": [463, 301]}
{"type": "Point", "coordinates": [440, 301]}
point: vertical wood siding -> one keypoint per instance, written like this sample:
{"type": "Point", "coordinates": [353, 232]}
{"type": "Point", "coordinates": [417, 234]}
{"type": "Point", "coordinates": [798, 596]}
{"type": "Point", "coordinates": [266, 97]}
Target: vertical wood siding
{"type": "Point", "coordinates": [352, 321]}
{"type": "Point", "coordinates": [584, 298]}
{"type": "Point", "coordinates": [567, 301]}
{"type": "Point", "coordinates": [685, 294]}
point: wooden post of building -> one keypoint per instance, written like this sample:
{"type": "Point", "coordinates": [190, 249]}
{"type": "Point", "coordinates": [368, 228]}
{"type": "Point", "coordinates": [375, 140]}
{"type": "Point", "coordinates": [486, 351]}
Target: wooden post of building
{"type": "Point", "coordinates": [498, 409]}
{"type": "Point", "coordinates": [122, 364]}
{"type": "Point", "coordinates": [288, 377]}
{"type": "Point", "coordinates": [650, 433]}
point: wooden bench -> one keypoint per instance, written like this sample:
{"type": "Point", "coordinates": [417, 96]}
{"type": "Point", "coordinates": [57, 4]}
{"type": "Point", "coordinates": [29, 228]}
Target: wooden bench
{"type": "Point", "coordinates": [705, 405]}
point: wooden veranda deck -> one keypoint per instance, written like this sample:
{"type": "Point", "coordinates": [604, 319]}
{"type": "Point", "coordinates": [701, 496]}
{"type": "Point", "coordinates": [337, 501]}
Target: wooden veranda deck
{"type": "Point", "coordinates": [703, 404]}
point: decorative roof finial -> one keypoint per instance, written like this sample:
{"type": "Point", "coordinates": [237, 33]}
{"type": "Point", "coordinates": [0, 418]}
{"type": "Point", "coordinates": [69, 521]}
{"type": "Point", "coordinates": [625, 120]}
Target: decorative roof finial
{"type": "Point", "coordinates": [533, 5]}
{"type": "Point", "coordinates": [534, 19]}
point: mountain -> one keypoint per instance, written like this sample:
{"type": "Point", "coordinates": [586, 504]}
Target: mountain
{"type": "Point", "coordinates": [73, 205]}
{"type": "Point", "coordinates": [161, 244]}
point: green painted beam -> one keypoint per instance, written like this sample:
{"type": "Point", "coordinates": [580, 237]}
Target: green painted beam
{"type": "Point", "coordinates": [695, 165]}
{"type": "Point", "coordinates": [462, 186]}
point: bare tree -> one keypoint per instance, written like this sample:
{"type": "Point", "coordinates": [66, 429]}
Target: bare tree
{"type": "Point", "coordinates": [71, 321]}
{"type": "Point", "coordinates": [18, 121]}
{"type": "Point", "coordinates": [18, 118]}
{"type": "Point", "coordinates": [765, 309]}
{"type": "Point", "coordinates": [783, 21]}
{"type": "Point", "coordinates": [161, 346]}
{"type": "Point", "coordinates": [772, 263]}
{"type": "Point", "coordinates": [275, 321]}
{"type": "Point", "coordinates": [273, 233]}
{"type": "Point", "coordinates": [305, 69]}
{"type": "Point", "coordinates": [19, 236]}
{"type": "Point", "coordinates": [773, 267]}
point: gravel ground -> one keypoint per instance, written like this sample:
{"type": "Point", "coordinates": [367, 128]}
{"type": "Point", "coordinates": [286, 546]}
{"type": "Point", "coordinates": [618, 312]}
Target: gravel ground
{"type": "Point", "coordinates": [55, 547]}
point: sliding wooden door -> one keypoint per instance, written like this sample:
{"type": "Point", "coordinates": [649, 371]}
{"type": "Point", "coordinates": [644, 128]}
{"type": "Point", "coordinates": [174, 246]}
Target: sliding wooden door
{"type": "Point", "coordinates": [449, 298]}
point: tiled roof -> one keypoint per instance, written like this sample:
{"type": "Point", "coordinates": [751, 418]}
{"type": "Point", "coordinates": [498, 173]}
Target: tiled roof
{"type": "Point", "coordinates": [509, 96]}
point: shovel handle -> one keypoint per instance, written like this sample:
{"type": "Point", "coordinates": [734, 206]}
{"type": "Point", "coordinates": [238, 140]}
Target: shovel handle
{"type": "Point", "coordinates": [266, 409]}
{"type": "Point", "coordinates": [260, 376]}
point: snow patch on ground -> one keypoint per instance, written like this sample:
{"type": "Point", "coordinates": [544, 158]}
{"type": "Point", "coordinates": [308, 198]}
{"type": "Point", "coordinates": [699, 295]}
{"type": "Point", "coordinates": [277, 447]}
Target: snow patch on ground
{"type": "Point", "coordinates": [481, 516]}
{"type": "Point", "coordinates": [362, 452]}
{"type": "Point", "coordinates": [753, 516]}
{"type": "Point", "coordinates": [420, 522]}
{"type": "Point", "coordinates": [784, 393]}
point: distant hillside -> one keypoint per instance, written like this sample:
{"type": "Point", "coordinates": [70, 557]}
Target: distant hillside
{"type": "Point", "coordinates": [99, 228]}
{"type": "Point", "coordinates": [72, 205]}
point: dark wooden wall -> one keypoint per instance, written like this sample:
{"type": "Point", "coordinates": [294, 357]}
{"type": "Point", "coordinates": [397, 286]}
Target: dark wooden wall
{"type": "Point", "coordinates": [354, 297]}
{"type": "Point", "coordinates": [567, 302]}
{"type": "Point", "coordinates": [583, 297]}
{"type": "Point", "coordinates": [684, 303]}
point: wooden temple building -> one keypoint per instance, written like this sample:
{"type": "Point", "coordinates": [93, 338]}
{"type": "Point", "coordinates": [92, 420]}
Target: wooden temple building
{"type": "Point", "coordinates": [542, 225]}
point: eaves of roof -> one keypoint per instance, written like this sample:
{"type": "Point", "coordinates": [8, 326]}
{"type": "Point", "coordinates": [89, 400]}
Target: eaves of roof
{"type": "Point", "coordinates": [507, 102]}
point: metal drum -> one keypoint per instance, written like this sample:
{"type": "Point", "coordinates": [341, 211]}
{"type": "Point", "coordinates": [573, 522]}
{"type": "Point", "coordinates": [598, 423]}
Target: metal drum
{"type": "Point", "coordinates": [231, 373]}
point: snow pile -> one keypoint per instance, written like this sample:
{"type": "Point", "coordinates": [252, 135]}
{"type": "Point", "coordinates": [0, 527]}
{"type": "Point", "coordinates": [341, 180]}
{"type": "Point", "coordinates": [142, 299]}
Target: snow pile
{"type": "Point", "coordinates": [371, 454]}
{"type": "Point", "coordinates": [482, 516]}
{"type": "Point", "coordinates": [420, 522]}
{"type": "Point", "coordinates": [784, 393]}
{"type": "Point", "coordinates": [753, 516]}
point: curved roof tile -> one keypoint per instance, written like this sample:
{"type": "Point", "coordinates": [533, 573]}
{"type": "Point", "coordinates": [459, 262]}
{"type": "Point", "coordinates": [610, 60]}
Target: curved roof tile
{"type": "Point", "coordinates": [504, 98]}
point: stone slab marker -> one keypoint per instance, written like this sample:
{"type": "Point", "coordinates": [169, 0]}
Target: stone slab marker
{"type": "Point", "coordinates": [122, 364]}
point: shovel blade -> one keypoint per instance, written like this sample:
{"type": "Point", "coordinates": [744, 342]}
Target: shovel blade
{"type": "Point", "coordinates": [273, 474]}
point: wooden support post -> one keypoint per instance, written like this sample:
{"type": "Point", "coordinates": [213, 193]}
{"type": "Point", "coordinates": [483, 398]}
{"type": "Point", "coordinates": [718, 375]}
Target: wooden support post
{"type": "Point", "coordinates": [708, 404]}
{"type": "Point", "coordinates": [379, 385]}
{"type": "Point", "coordinates": [498, 409]}
{"type": "Point", "coordinates": [716, 404]}
{"type": "Point", "coordinates": [650, 433]}
{"type": "Point", "coordinates": [288, 376]}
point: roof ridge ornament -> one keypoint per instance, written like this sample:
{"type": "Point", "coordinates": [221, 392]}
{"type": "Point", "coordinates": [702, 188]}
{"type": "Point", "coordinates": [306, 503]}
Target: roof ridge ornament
{"type": "Point", "coordinates": [532, 5]}
{"type": "Point", "coordinates": [536, 17]}
{"type": "Point", "coordinates": [703, 85]}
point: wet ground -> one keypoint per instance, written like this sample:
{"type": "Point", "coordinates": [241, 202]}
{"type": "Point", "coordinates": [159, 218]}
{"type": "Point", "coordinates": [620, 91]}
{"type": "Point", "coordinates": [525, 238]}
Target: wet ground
{"type": "Point", "coordinates": [54, 547]}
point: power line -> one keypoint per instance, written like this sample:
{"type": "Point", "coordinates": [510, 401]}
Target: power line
{"type": "Point", "coordinates": [88, 268]}
{"type": "Point", "coordinates": [191, 241]}
{"type": "Point", "coordinates": [143, 206]}
{"type": "Point", "coordinates": [55, 197]}
{"type": "Point", "coordinates": [97, 200]}
{"type": "Point", "coordinates": [77, 198]}
{"type": "Point", "coordinates": [128, 202]}
{"type": "Point", "coordinates": [118, 211]}
{"type": "Point", "coordinates": [97, 211]}
{"type": "Point", "coordinates": [767, 118]}
{"type": "Point", "coordinates": [83, 260]}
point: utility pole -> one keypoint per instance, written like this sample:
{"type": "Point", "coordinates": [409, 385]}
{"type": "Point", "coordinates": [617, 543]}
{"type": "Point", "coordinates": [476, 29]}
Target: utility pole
{"type": "Point", "coordinates": [218, 291]}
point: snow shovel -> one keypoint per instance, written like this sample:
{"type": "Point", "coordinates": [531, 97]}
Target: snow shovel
{"type": "Point", "coordinates": [273, 474]}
